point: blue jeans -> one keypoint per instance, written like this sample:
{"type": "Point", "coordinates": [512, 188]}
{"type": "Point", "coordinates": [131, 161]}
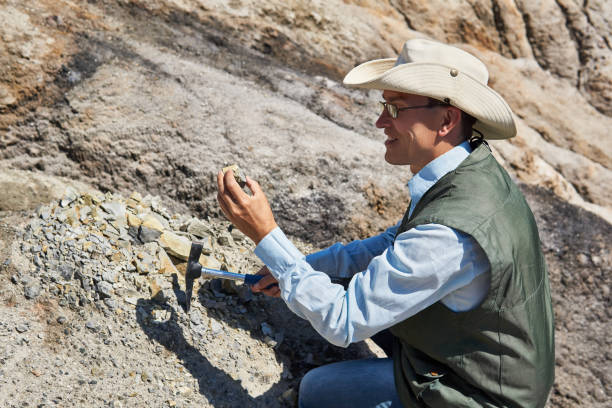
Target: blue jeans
{"type": "Point", "coordinates": [351, 384]}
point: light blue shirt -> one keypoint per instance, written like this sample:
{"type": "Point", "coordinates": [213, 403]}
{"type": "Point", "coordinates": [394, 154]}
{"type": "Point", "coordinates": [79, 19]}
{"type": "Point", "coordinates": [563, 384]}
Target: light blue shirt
{"type": "Point", "coordinates": [391, 280]}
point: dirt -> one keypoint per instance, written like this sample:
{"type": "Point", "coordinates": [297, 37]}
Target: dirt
{"type": "Point", "coordinates": [133, 98]}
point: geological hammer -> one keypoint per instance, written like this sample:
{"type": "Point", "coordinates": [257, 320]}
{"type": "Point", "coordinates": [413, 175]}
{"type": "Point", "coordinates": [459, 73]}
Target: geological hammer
{"type": "Point", "coordinates": [195, 270]}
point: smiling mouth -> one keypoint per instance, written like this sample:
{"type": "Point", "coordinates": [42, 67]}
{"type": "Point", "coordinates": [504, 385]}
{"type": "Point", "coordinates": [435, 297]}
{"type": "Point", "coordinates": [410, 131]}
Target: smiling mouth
{"type": "Point", "coordinates": [390, 140]}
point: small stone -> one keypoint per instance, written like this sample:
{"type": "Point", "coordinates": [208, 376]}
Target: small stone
{"type": "Point", "coordinates": [61, 320]}
{"type": "Point", "coordinates": [582, 259]}
{"type": "Point", "coordinates": [111, 303]}
{"type": "Point", "coordinates": [237, 235]}
{"type": "Point", "coordinates": [115, 210]}
{"type": "Point", "coordinates": [22, 328]}
{"type": "Point", "coordinates": [146, 376]}
{"type": "Point", "coordinates": [109, 275]}
{"type": "Point", "coordinates": [270, 341]}
{"type": "Point", "coordinates": [199, 228]}
{"type": "Point", "coordinates": [215, 327]}
{"type": "Point", "coordinates": [32, 290]}
{"type": "Point", "coordinates": [156, 288]}
{"type": "Point", "coordinates": [136, 196]}
{"type": "Point", "coordinates": [92, 325]}
{"type": "Point", "coordinates": [44, 212]}
{"type": "Point", "coordinates": [225, 239]}
{"type": "Point", "coordinates": [165, 264]}
{"type": "Point", "coordinates": [266, 329]}
{"type": "Point", "coordinates": [175, 245]}
{"type": "Point", "coordinates": [146, 234]}
{"type": "Point", "coordinates": [245, 294]}
{"type": "Point", "coordinates": [153, 221]}
{"type": "Point", "coordinates": [133, 220]}
{"type": "Point", "coordinates": [105, 288]}
{"type": "Point", "coordinates": [70, 196]}
{"type": "Point", "coordinates": [290, 395]}
{"type": "Point", "coordinates": [146, 265]}
{"type": "Point", "coordinates": [132, 300]}
{"type": "Point", "coordinates": [195, 317]}
{"type": "Point", "coordinates": [239, 175]}
{"type": "Point", "coordinates": [209, 262]}
{"type": "Point", "coordinates": [66, 271]}
{"type": "Point", "coordinates": [597, 261]}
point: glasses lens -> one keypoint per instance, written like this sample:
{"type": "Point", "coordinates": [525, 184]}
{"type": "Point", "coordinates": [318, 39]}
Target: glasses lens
{"type": "Point", "coordinates": [382, 107]}
{"type": "Point", "coordinates": [392, 110]}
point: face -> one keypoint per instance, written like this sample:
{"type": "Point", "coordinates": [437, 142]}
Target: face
{"type": "Point", "coordinates": [412, 136]}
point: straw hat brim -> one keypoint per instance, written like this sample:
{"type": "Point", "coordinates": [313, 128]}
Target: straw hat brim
{"type": "Point", "coordinates": [493, 115]}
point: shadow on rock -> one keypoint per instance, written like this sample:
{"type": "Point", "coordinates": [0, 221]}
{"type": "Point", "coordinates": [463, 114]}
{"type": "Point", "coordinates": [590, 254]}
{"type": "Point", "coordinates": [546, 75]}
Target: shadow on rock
{"type": "Point", "coordinates": [217, 386]}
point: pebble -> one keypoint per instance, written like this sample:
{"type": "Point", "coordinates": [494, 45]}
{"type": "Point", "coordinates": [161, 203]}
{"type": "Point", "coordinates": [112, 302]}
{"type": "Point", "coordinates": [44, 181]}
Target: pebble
{"type": "Point", "coordinates": [196, 317]}
{"type": "Point", "coordinates": [290, 395]}
{"type": "Point", "coordinates": [92, 325]}
{"type": "Point", "coordinates": [111, 303]}
{"type": "Point", "coordinates": [66, 271]}
{"type": "Point", "coordinates": [266, 329]}
{"type": "Point", "coordinates": [105, 288]}
{"type": "Point", "coordinates": [61, 319]}
{"type": "Point", "coordinates": [225, 239]}
{"type": "Point", "coordinates": [146, 234]}
{"type": "Point", "coordinates": [32, 290]}
{"type": "Point", "coordinates": [582, 259]}
{"type": "Point", "coordinates": [597, 261]}
{"type": "Point", "coordinates": [215, 327]}
{"type": "Point", "coordinates": [22, 328]}
{"type": "Point", "coordinates": [109, 275]}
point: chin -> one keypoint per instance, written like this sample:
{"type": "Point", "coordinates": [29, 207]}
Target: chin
{"type": "Point", "coordinates": [396, 161]}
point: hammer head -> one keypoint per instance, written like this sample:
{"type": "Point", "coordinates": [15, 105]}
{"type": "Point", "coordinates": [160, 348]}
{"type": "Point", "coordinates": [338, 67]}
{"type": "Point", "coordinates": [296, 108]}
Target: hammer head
{"type": "Point", "coordinates": [193, 272]}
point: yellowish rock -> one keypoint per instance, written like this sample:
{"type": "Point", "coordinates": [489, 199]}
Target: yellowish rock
{"type": "Point", "coordinates": [165, 264]}
{"type": "Point", "coordinates": [136, 196]}
{"type": "Point", "coordinates": [209, 262]}
{"type": "Point", "coordinates": [154, 287]}
{"type": "Point", "coordinates": [175, 245]}
{"type": "Point", "coordinates": [133, 220]}
{"type": "Point", "coordinates": [152, 222]}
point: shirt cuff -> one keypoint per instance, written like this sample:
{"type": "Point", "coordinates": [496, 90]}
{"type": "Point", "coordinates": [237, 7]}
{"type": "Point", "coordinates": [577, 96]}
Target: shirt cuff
{"type": "Point", "coordinates": [277, 252]}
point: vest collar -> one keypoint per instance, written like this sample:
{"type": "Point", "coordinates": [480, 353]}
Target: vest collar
{"type": "Point", "coordinates": [435, 170]}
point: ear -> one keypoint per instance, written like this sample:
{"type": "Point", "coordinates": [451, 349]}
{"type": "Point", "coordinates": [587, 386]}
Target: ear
{"type": "Point", "coordinates": [450, 121]}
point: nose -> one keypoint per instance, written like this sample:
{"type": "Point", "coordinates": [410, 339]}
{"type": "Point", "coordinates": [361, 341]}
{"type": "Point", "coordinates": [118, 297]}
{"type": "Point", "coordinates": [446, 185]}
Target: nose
{"type": "Point", "coordinates": [384, 120]}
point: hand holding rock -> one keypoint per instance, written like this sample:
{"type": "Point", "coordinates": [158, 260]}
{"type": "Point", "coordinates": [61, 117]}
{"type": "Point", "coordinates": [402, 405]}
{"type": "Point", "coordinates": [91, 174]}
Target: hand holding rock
{"type": "Point", "coordinates": [251, 214]}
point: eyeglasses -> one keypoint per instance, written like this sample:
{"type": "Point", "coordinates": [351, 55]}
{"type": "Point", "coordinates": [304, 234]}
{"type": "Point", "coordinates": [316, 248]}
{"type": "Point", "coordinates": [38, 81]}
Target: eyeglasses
{"type": "Point", "coordinates": [394, 110]}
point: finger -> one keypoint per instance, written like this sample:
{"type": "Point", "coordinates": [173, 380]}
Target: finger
{"type": "Point", "coordinates": [253, 186]}
{"type": "Point", "coordinates": [264, 282]}
{"type": "Point", "coordinates": [220, 183]}
{"type": "Point", "coordinates": [273, 292]}
{"type": "Point", "coordinates": [233, 188]}
{"type": "Point", "coordinates": [227, 206]}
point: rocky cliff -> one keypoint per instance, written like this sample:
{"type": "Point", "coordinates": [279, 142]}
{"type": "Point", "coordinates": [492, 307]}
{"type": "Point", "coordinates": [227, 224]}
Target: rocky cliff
{"type": "Point", "coordinates": [112, 97]}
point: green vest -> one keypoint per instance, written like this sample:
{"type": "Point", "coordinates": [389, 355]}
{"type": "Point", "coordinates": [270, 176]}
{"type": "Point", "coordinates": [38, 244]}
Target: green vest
{"type": "Point", "coordinates": [502, 352]}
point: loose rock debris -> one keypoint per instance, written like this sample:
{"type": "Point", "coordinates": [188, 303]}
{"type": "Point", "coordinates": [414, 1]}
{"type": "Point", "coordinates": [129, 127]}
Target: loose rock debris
{"type": "Point", "coordinates": [101, 277]}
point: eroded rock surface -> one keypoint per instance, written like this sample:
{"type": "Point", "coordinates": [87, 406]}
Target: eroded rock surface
{"type": "Point", "coordinates": [156, 96]}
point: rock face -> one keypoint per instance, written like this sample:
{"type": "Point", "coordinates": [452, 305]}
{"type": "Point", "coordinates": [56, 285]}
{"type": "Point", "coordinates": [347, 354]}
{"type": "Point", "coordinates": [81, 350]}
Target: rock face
{"type": "Point", "coordinates": [156, 96]}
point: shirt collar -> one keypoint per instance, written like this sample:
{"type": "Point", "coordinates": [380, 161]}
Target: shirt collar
{"type": "Point", "coordinates": [435, 170]}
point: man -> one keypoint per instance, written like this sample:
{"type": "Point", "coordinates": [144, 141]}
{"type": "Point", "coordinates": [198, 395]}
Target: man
{"type": "Point", "coordinates": [460, 282]}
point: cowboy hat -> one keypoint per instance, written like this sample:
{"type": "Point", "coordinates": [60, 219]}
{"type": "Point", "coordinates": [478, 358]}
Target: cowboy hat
{"type": "Point", "coordinates": [442, 72]}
